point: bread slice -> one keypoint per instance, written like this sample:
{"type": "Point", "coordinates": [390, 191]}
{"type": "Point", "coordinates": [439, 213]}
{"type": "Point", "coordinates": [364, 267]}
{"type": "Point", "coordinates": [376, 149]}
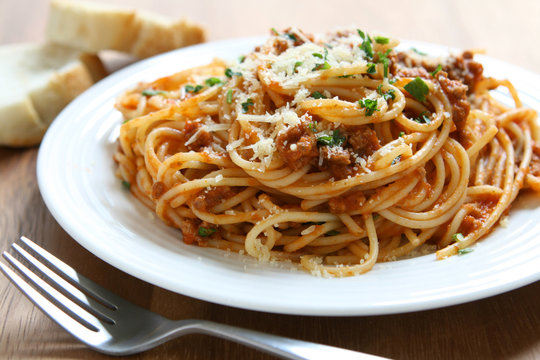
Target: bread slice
{"type": "Point", "coordinates": [38, 81]}
{"type": "Point", "coordinates": [92, 27]}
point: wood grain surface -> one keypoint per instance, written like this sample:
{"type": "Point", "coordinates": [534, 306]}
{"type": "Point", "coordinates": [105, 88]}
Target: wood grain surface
{"type": "Point", "coordinates": [506, 326]}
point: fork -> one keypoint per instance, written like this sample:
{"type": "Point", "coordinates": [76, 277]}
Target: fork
{"type": "Point", "coordinates": [112, 325]}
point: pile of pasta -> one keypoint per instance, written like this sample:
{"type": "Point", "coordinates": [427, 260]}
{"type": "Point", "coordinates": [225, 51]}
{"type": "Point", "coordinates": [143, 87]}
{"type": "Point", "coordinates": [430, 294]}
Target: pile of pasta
{"type": "Point", "coordinates": [334, 152]}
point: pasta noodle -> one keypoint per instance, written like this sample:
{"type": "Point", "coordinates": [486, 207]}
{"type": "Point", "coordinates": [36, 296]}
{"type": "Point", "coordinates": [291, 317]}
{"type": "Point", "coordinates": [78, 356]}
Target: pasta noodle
{"type": "Point", "coordinates": [334, 153]}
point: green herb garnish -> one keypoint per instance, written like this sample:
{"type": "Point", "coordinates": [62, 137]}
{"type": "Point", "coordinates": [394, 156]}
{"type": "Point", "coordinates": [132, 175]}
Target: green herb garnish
{"type": "Point", "coordinates": [229, 73]}
{"type": "Point", "coordinates": [381, 39]}
{"type": "Point", "coordinates": [401, 133]}
{"type": "Point", "coordinates": [205, 232]}
{"type": "Point", "coordinates": [152, 92]}
{"type": "Point", "coordinates": [370, 106]}
{"type": "Point", "coordinates": [439, 68]}
{"type": "Point", "coordinates": [387, 95]}
{"type": "Point", "coordinates": [318, 95]}
{"type": "Point", "coordinates": [313, 126]}
{"type": "Point", "coordinates": [396, 160]}
{"type": "Point", "coordinates": [297, 64]}
{"type": "Point", "coordinates": [229, 96]}
{"type": "Point", "coordinates": [292, 37]}
{"type": "Point", "coordinates": [458, 237]}
{"type": "Point", "coordinates": [246, 105]}
{"type": "Point", "coordinates": [126, 184]}
{"type": "Point", "coordinates": [464, 251]}
{"type": "Point", "coordinates": [241, 58]}
{"type": "Point", "coordinates": [422, 118]}
{"type": "Point", "coordinates": [193, 89]}
{"type": "Point", "coordinates": [366, 44]}
{"type": "Point", "coordinates": [383, 58]}
{"type": "Point", "coordinates": [418, 89]}
{"type": "Point", "coordinates": [320, 56]}
{"type": "Point", "coordinates": [323, 66]}
{"type": "Point", "coordinates": [274, 31]}
{"type": "Point", "coordinates": [371, 68]}
{"type": "Point", "coordinates": [332, 233]}
{"type": "Point", "coordinates": [212, 81]}
{"type": "Point", "coordinates": [335, 139]}
{"type": "Point", "coordinates": [418, 51]}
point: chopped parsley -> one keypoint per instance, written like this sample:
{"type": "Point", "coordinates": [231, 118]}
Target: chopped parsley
{"type": "Point", "coordinates": [369, 104]}
{"type": "Point", "coordinates": [318, 95]}
{"type": "Point", "coordinates": [383, 58]}
{"type": "Point", "coordinates": [274, 31]}
{"type": "Point", "coordinates": [313, 126]}
{"type": "Point", "coordinates": [297, 64]}
{"type": "Point", "coordinates": [229, 73]}
{"type": "Point", "coordinates": [418, 51]}
{"type": "Point", "coordinates": [418, 89]}
{"type": "Point", "coordinates": [458, 237]}
{"type": "Point", "coordinates": [396, 160]}
{"type": "Point", "coordinates": [439, 68]}
{"type": "Point", "coordinates": [323, 66]}
{"type": "Point", "coordinates": [465, 251]}
{"type": "Point", "coordinates": [371, 68]}
{"type": "Point", "coordinates": [422, 118]}
{"type": "Point", "coordinates": [381, 39]}
{"type": "Point", "coordinates": [193, 89]}
{"type": "Point", "coordinates": [152, 92]}
{"type": "Point", "coordinates": [401, 133]}
{"type": "Point", "coordinates": [205, 232]}
{"type": "Point", "coordinates": [335, 139]}
{"type": "Point", "coordinates": [292, 37]}
{"type": "Point", "coordinates": [212, 81]}
{"type": "Point", "coordinates": [387, 95]}
{"type": "Point", "coordinates": [126, 184]}
{"type": "Point", "coordinates": [332, 233]}
{"type": "Point", "coordinates": [241, 58]}
{"type": "Point", "coordinates": [246, 105]}
{"type": "Point", "coordinates": [229, 96]}
{"type": "Point", "coordinates": [366, 44]}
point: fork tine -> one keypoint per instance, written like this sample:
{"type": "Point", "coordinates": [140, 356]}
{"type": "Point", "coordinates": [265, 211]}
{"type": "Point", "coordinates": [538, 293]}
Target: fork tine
{"type": "Point", "coordinates": [66, 288]}
{"type": "Point", "coordinates": [58, 306]}
{"type": "Point", "coordinates": [60, 317]}
{"type": "Point", "coordinates": [100, 293]}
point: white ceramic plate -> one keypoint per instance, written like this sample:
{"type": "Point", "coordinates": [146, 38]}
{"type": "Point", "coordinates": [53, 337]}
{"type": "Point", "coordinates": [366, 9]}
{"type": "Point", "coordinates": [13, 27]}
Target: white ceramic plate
{"type": "Point", "coordinates": [77, 182]}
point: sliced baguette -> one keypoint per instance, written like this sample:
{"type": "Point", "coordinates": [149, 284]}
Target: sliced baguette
{"type": "Point", "coordinates": [92, 27]}
{"type": "Point", "coordinates": [38, 81]}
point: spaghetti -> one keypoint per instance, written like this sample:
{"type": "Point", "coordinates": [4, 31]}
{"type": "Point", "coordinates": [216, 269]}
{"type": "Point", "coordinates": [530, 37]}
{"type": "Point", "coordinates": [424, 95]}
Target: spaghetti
{"type": "Point", "coordinates": [334, 153]}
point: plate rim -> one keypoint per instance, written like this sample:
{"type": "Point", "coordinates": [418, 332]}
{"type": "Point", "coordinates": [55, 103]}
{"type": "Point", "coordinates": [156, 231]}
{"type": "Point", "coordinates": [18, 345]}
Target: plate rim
{"type": "Point", "coordinates": [75, 233]}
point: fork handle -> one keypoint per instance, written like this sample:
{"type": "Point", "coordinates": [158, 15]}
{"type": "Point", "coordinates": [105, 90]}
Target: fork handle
{"type": "Point", "coordinates": [283, 347]}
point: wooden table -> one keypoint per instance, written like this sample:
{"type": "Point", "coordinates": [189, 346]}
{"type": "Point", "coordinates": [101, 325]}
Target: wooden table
{"type": "Point", "coordinates": [503, 326]}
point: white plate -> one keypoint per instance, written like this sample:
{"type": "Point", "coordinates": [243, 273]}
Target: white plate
{"type": "Point", "coordinates": [76, 179]}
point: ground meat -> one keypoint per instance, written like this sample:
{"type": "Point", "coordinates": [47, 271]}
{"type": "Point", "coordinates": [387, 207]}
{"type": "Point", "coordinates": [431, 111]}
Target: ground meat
{"type": "Point", "coordinates": [337, 161]}
{"type": "Point", "coordinates": [457, 95]}
{"type": "Point", "coordinates": [363, 140]}
{"type": "Point", "coordinates": [335, 155]}
{"type": "Point", "coordinates": [189, 231]}
{"type": "Point", "coordinates": [463, 68]}
{"type": "Point", "coordinates": [210, 197]}
{"type": "Point", "coordinates": [280, 46]}
{"type": "Point", "coordinates": [460, 68]}
{"type": "Point", "coordinates": [478, 213]}
{"type": "Point", "coordinates": [534, 166]}
{"type": "Point", "coordinates": [203, 139]}
{"type": "Point", "coordinates": [306, 146]}
{"type": "Point", "coordinates": [413, 72]}
{"type": "Point", "coordinates": [346, 203]}
{"type": "Point", "coordinates": [158, 189]}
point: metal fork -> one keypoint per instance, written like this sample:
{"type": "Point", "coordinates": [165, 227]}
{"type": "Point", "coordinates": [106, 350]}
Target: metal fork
{"type": "Point", "coordinates": [112, 325]}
